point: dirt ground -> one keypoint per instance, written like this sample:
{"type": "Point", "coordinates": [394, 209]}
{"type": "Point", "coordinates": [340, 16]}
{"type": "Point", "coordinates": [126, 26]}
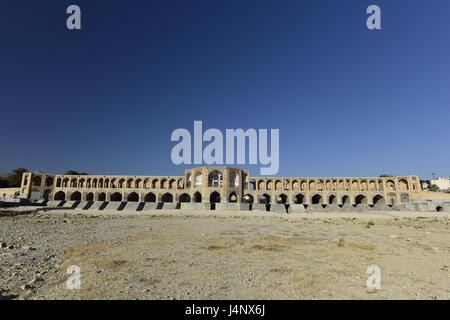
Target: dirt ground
{"type": "Point", "coordinates": [224, 256]}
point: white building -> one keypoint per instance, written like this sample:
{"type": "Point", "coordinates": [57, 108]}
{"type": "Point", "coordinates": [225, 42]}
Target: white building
{"type": "Point", "coordinates": [443, 183]}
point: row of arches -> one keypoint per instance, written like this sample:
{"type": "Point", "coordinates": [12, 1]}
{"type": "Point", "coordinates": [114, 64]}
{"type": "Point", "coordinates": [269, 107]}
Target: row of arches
{"type": "Point", "coordinates": [215, 197]}
{"type": "Point", "coordinates": [121, 183]}
{"type": "Point", "coordinates": [330, 185]}
{"type": "Point", "coordinates": [331, 199]}
{"type": "Point", "coordinates": [132, 197]}
{"type": "Point", "coordinates": [36, 181]}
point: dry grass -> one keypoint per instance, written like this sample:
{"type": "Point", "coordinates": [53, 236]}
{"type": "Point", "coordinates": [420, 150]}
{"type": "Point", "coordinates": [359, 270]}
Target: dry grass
{"type": "Point", "coordinates": [271, 247]}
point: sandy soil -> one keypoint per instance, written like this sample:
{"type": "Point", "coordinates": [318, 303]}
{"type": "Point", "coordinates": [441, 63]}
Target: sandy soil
{"type": "Point", "coordinates": [225, 256]}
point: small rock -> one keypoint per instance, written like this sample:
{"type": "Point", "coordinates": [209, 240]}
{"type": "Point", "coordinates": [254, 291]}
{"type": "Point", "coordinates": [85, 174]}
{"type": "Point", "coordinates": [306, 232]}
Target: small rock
{"type": "Point", "coordinates": [38, 279]}
{"type": "Point", "coordinates": [3, 245]}
{"type": "Point", "coordinates": [28, 248]}
{"type": "Point", "coordinates": [25, 287]}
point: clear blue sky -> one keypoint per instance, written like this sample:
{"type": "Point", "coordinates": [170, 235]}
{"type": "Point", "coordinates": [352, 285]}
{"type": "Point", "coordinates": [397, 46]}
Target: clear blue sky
{"type": "Point", "coordinates": [348, 101]}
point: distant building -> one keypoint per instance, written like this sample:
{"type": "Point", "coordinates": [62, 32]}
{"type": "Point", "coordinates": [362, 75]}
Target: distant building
{"type": "Point", "coordinates": [443, 183]}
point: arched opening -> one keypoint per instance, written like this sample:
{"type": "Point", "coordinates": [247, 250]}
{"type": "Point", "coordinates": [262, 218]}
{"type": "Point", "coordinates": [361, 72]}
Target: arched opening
{"type": "Point", "coordinates": [185, 198]}
{"type": "Point", "coordinates": [48, 182]}
{"type": "Point", "coordinates": [316, 199]}
{"type": "Point", "coordinates": [404, 197]}
{"type": "Point", "coordinates": [303, 185]}
{"type": "Point", "coordinates": [403, 184]}
{"type": "Point", "coordinates": [390, 185]}
{"type": "Point", "coordinates": [332, 199]}
{"type": "Point", "coordinates": [282, 198]}
{"type": "Point", "coordinates": [215, 179]}
{"type": "Point", "coordinates": [234, 180]}
{"type": "Point", "coordinates": [198, 179]}
{"type": "Point", "coordinates": [188, 180]}
{"type": "Point", "coordinates": [90, 196]}
{"type": "Point", "coordinates": [214, 197]}
{"type": "Point", "coordinates": [167, 197]}
{"type": "Point", "coordinates": [58, 183]}
{"type": "Point", "coordinates": [37, 181]}
{"type": "Point", "coordinates": [391, 198]}
{"type": "Point", "coordinates": [102, 196]}
{"type": "Point", "coordinates": [116, 196]}
{"type": "Point", "coordinates": [278, 185]}
{"type": "Point", "coordinates": [133, 197]}
{"type": "Point", "coordinates": [299, 199]}
{"type": "Point", "coordinates": [346, 200]}
{"type": "Point", "coordinates": [150, 197]}
{"type": "Point", "coordinates": [197, 197]}
{"type": "Point", "coordinates": [248, 198]}
{"type": "Point", "coordinates": [233, 197]}
{"type": "Point", "coordinates": [439, 209]}
{"type": "Point", "coordinates": [130, 183]}
{"type": "Point", "coordinates": [47, 194]}
{"type": "Point", "coordinates": [360, 199]}
{"type": "Point", "coordinates": [264, 198]}
{"type": "Point", "coordinates": [76, 196]}
{"type": "Point", "coordinates": [378, 200]}
{"type": "Point", "coordinates": [261, 185]}
{"type": "Point", "coordinates": [60, 195]}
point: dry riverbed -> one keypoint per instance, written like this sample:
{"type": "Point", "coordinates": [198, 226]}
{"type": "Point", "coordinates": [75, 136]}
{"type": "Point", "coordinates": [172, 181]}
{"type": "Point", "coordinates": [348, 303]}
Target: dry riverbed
{"type": "Point", "coordinates": [223, 257]}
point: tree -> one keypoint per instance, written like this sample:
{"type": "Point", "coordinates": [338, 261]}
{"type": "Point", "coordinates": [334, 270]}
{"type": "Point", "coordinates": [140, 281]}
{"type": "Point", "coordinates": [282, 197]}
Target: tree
{"type": "Point", "coordinates": [75, 173]}
{"type": "Point", "coordinates": [4, 183]}
{"type": "Point", "coordinates": [433, 188]}
{"type": "Point", "coordinates": [386, 175]}
{"type": "Point", "coordinates": [15, 178]}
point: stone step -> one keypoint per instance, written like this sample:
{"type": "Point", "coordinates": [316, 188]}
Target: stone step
{"type": "Point", "coordinates": [296, 208]}
{"type": "Point", "coordinates": [259, 207]}
{"type": "Point", "coordinates": [314, 207]}
{"type": "Point", "coordinates": [113, 205]}
{"type": "Point", "coordinates": [150, 206]}
{"type": "Point", "coordinates": [232, 206]}
{"type": "Point", "coordinates": [131, 206]}
{"type": "Point", "coordinates": [195, 206]}
{"type": "Point", "coordinates": [96, 205]}
{"type": "Point", "coordinates": [278, 208]}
